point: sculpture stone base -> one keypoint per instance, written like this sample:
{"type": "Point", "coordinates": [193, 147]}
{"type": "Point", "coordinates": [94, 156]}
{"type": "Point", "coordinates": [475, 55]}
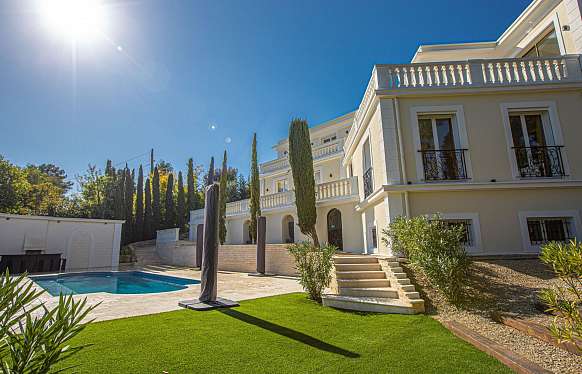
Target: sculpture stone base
{"type": "Point", "coordinates": [261, 275]}
{"type": "Point", "coordinates": [196, 304]}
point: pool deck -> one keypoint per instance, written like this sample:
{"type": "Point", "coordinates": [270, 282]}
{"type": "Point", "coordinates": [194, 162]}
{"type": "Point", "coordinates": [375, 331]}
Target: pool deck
{"type": "Point", "coordinates": [231, 285]}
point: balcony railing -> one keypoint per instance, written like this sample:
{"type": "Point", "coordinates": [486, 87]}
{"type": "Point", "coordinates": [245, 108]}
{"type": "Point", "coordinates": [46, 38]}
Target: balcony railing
{"type": "Point", "coordinates": [540, 162]}
{"type": "Point", "coordinates": [443, 165]}
{"type": "Point", "coordinates": [340, 189]}
{"type": "Point", "coordinates": [368, 182]}
{"type": "Point", "coordinates": [467, 74]}
{"type": "Point", "coordinates": [318, 152]}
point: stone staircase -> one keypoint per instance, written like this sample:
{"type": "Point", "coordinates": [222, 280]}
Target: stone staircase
{"type": "Point", "coordinates": [146, 254]}
{"type": "Point", "coordinates": [372, 284]}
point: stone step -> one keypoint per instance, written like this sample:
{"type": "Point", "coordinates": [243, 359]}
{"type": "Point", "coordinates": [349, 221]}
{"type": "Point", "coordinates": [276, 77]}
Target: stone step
{"type": "Point", "coordinates": [368, 304]}
{"type": "Point", "coordinates": [358, 267]}
{"type": "Point", "coordinates": [354, 259]}
{"type": "Point", "coordinates": [363, 283]}
{"type": "Point", "coordinates": [385, 292]}
{"type": "Point", "coordinates": [374, 274]}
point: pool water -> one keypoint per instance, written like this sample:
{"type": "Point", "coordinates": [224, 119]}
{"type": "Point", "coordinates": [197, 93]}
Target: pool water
{"type": "Point", "coordinates": [122, 282]}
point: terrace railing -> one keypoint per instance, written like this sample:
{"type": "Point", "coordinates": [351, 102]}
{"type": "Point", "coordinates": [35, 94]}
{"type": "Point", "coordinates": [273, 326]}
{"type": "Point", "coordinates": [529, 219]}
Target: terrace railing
{"type": "Point", "coordinates": [442, 165]}
{"type": "Point", "coordinates": [540, 162]}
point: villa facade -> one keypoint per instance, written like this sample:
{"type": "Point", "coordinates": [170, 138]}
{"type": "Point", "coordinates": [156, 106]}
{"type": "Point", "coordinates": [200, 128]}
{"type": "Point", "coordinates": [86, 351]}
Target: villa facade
{"type": "Point", "coordinates": [486, 134]}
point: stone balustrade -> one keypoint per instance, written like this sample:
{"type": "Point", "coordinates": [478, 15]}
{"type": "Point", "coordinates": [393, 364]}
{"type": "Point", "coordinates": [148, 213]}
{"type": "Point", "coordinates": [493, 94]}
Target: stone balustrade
{"type": "Point", "coordinates": [340, 189]}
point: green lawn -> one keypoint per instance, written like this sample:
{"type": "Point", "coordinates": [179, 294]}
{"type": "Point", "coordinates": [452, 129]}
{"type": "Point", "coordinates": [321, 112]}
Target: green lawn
{"type": "Point", "coordinates": [281, 334]}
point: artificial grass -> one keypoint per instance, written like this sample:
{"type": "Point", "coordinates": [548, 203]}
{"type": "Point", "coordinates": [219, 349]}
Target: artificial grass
{"type": "Point", "coordinates": [280, 334]}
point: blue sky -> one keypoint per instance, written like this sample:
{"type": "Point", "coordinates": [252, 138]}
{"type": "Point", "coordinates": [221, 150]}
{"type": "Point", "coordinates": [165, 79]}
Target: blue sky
{"type": "Point", "coordinates": [244, 66]}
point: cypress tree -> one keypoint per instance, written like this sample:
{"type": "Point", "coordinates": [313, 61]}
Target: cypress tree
{"type": "Point", "coordinates": [210, 176]}
{"type": "Point", "coordinates": [152, 162]}
{"type": "Point", "coordinates": [222, 202]}
{"type": "Point", "coordinates": [170, 220]}
{"type": "Point", "coordinates": [156, 203]}
{"type": "Point", "coordinates": [110, 191]}
{"type": "Point", "coordinates": [120, 195]}
{"type": "Point", "coordinates": [128, 199]}
{"type": "Point", "coordinates": [191, 183]}
{"type": "Point", "coordinates": [139, 215]}
{"type": "Point", "coordinates": [255, 207]}
{"type": "Point", "coordinates": [147, 218]}
{"type": "Point", "coordinates": [301, 161]}
{"type": "Point", "coordinates": [181, 205]}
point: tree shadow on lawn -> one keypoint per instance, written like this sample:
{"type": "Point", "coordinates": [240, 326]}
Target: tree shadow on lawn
{"type": "Point", "coordinates": [288, 333]}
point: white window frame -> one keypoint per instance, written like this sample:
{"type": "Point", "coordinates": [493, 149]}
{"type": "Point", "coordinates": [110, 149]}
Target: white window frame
{"type": "Point", "coordinates": [328, 139]}
{"type": "Point", "coordinates": [531, 39]}
{"type": "Point", "coordinates": [477, 246]}
{"type": "Point", "coordinates": [315, 172]}
{"type": "Point", "coordinates": [458, 121]}
{"type": "Point", "coordinates": [524, 215]}
{"type": "Point", "coordinates": [554, 125]}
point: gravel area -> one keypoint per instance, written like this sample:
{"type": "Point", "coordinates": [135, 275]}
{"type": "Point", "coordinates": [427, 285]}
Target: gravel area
{"type": "Point", "coordinates": [509, 287]}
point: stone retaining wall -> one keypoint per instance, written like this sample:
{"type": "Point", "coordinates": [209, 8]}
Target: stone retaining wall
{"type": "Point", "coordinates": [231, 257]}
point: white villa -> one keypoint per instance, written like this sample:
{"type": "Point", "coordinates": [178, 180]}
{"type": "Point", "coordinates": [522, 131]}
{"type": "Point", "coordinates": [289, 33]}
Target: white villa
{"type": "Point", "coordinates": [488, 134]}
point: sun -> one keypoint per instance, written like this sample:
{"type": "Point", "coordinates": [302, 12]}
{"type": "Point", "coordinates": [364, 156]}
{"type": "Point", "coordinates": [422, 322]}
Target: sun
{"type": "Point", "coordinates": [76, 20]}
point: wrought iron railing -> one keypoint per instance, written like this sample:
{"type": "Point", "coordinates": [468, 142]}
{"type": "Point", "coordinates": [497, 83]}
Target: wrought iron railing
{"type": "Point", "coordinates": [444, 164]}
{"type": "Point", "coordinates": [368, 182]}
{"type": "Point", "coordinates": [540, 161]}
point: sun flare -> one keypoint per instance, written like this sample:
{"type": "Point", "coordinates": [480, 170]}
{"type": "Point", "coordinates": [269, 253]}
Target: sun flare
{"type": "Point", "coordinates": [77, 20]}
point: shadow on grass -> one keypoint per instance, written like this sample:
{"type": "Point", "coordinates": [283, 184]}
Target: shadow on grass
{"type": "Point", "coordinates": [288, 333]}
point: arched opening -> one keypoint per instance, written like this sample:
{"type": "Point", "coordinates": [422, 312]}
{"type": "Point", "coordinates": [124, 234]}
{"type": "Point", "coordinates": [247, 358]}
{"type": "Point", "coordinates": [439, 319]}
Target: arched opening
{"type": "Point", "coordinates": [247, 232]}
{"type": "Point", "coordinates": [334, 228]}
{"type": "Point", "coordinates": [288, 229]}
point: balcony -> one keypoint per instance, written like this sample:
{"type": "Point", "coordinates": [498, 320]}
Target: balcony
{"type": "Point", "coordinates": [444, 165]}
{"type": "Point", "coordinates": [330, 191]}
{"type": "Point", "coordinates": [318, 152]}
{"type": "Point", "coordinates": [540, 162]}
{"type": "Point", "coordinates": [470, 74]}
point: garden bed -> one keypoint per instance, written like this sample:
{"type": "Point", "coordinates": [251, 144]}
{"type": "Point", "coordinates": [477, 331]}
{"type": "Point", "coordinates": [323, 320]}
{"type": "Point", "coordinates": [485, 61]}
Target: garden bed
{"type": "Point", "coordinates": [508, 287]}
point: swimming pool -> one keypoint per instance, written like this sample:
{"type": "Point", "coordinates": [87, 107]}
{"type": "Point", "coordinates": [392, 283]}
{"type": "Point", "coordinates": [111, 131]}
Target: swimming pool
{"type": "Point", "coordinates": [115, 282]}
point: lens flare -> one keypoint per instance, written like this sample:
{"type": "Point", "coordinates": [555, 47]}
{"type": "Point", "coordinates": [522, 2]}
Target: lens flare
{"type": "Point", "coordinates": [77, 20]}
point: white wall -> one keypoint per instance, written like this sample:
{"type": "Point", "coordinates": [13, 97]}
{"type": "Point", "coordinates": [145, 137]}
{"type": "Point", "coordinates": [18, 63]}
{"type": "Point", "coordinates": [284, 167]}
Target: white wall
{"type": "Point", "coordinates": [85, 243]}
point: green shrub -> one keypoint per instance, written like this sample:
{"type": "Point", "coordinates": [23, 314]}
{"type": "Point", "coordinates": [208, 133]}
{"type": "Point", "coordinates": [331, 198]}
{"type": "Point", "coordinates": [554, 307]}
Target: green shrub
{"type": "Point", "coordinates": [566, 299]}
{"type": "Point", "coordinates": [33, 338]}
{"type": "Point", "coordinates": [314, 265]}
{"type": "Point", "coordinates": [435, 248]}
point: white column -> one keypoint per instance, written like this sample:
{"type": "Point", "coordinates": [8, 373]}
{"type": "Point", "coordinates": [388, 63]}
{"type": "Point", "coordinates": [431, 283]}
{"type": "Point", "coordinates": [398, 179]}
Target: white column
{"type": "Point", "coordinates": [389, 142]}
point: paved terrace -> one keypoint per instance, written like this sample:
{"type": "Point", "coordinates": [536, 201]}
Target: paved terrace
{"type": "Point", "coordinates": [231, 285]}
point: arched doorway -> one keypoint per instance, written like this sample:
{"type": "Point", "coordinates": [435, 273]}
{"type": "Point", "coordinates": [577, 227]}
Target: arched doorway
{"type": "Point", "coordinates": [334, 228]}
{"type": "Point", "coordinates": [288, 229]}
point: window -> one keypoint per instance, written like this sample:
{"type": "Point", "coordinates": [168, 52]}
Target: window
{"type": "Point", "coordinates": [367, 166]}
{"type": "Point", "coordinates": [281, 185]}
{"type": "Point", "coordinates": [547, 47]}
{"type": "Point", "coordinates": [441, 153]}
{"type": "Point", "coordinates": [374, 237]}
{"type": "Point", "coordinates": [542, 230]}
{"type": "Point", "coordinates": [317, 176]}
{"type": "Point", "coordinates": [534, 147]}
{"type": "Point", "coordinates": [466, 225]}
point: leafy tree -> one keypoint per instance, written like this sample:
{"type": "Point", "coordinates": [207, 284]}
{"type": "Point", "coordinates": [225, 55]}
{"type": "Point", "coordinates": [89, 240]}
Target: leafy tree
{"type": "Point", "coordinates": [164, 167]}
{"type": "Point", "coordinates": [14, 187]}
{"type": "Point", "coordinates": [147, 219]}
{"type": "Point", "coordinates": [242, 188]}
{"type": "Point", "coordinates": [301, 161]}
{"type": "Point", "coordinates": [128, 199]}
{"type": "Point", "coordinates": [255, 193]}
{"type": "Point", "coordinates": [92, 186]}
{"type": "Point", "coordinates": [34, 338]}
{"type": "Point", "coordinates": [46, 194]}
{"type": "Point", "coordinates": [139, 208]}
{"type": "Point", "coordinates": [181, 205]}
{"type": "Point", "coordinates": [170, 214]}
{"type": "Point", "coordinates": [56, 176]}
{"type": "Point", "coordinates": [222, 202]}
{"type": "Point", "coordinates": [156, 202]}
{"type": "Point", "coordinates": [315, 265]}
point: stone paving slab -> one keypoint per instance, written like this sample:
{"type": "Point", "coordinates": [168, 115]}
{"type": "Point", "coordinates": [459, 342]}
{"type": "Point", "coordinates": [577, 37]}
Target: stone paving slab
{"type": "Point", "coordinates": [231, 285]}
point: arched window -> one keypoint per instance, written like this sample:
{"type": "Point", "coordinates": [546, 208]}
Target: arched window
{"type": "Point", "coordinates": [288, 229]}
{"type": "Point", "coordinates": [334, 228]}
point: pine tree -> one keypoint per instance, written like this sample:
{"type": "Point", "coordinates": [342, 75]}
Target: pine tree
{"type": "Point", "coordinates": [191, 194]}
{"type": "Point", "coordinates": [128, 199]}
{"type": "Point", "coordinates": [170, 219]}
{"type": "Point", "coordinates": [255, 207]}
{"type": "Point", "coordinates": [301, 161]}
{"type": "Point", "coordinates": [156, 203]}
{"type": "Point", "coordinates": [139, 214]}
{"type": "Point", "coordinates": [242, 188]}
{"type": "Point", "coordinates": [181, 205]}
{"type": "Point", "coordinates": [147, 218]}
{"type": "Point", "coordinates": [222, 202]}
